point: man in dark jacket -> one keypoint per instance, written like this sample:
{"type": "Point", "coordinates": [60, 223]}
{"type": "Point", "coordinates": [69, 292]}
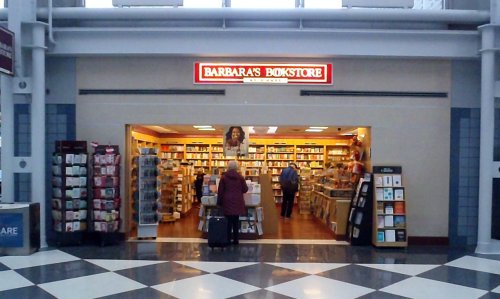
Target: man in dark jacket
{"type": "Point", "coordinates": [289, 181]}
{"type": "Point", "coordinates": [230, 196]}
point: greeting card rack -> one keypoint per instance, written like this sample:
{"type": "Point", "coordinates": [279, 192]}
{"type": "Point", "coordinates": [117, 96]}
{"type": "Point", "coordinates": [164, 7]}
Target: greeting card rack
{"type": "Point", "coordinates": [106, 200]}
{"type": "Point", "coordinates": [69, 192]}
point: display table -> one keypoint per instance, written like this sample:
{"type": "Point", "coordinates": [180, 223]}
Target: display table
{"type": "Point", "coordinates": [19, 228]}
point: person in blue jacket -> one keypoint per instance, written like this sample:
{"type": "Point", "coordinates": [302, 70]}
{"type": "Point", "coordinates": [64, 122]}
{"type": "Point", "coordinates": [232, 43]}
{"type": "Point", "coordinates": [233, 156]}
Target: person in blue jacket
{"type": "Point", "coordinates": [289, 181]}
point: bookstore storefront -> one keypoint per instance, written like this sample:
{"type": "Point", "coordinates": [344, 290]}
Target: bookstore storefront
{"type": "Point", "coordinates": [406, 106]}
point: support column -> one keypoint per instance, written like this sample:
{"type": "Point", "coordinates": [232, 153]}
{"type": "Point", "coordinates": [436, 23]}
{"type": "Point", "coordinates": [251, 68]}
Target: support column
{"type": "Point", "coordinates": [485, 243]}
{"type": "Point", "coordinates": [7, 106]}
{"type": "Point", "coordinates": [38, 125]}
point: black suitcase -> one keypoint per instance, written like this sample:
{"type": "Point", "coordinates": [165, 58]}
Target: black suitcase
{"type": "Point", "coordinates": [217, 232]}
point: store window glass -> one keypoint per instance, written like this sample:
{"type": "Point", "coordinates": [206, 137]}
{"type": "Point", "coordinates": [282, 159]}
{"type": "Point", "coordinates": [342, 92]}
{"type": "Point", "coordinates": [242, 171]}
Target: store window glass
{"type": "Point", "coordinates": [98, 3]}
{"type": "Point", "coordinates": [202, 3]}
{"type": "Point", "coordinates": [322, 4]}
{"type": "Point", "coordinates": [263, 4]}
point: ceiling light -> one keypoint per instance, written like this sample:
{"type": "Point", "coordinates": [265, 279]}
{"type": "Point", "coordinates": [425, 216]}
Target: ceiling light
{"type": "Point", "coordinates": [319, 128]}
{"type": "Point", "coordinates": [272, 130]}
{"type": "Point", "coordinates": [251, 130]}
{"type": "Point", "coordinates": [206, 129]}
{"type": "Point", "coordinates": [202, 127]}
{"type": "Point", "coordinates": [314, 130]}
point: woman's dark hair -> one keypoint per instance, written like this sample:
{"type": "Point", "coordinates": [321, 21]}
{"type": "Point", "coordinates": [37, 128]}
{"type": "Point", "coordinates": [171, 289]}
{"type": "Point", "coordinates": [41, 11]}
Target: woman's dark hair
{"type": "Point", "coordinates": [230, 131]}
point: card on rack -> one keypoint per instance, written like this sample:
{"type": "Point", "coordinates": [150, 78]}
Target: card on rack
{"type": "Point", "coordinates": [379, 181]}
{"type": "Point", "coordinates": [389, 208]}
{"type": "Point", "coordinates": [359, 218]}
{"type": "Point", "coordinates": [399, 221]}
{"type": "Point", "coordinates": [379, 193]}
{"type": "Point", "coordinates": [400, 235]}
{"type": "Point", "coordinates": [399, 207]}
{"type": "Point", "coordinates": [69, 158]}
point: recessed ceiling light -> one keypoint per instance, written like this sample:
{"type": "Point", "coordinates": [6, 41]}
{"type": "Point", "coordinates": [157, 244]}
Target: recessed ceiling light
{"type": "Point", "coordinates": [319, 128]}
{"type": "Point", "coordinates": [314, 130]}
{"type": "Point", "coordinates": [272, 130]}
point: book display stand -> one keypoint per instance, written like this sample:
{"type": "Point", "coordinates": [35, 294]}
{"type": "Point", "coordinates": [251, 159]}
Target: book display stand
{"type": "Point", "coordinates": [359, 231]}
{"type": "Point", "coordinates": [389, 208]}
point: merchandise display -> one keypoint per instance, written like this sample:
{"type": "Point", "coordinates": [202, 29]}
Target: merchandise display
{"type": "Point", "coordinates": [69, 191]}
{"type": "Point", "coordinates": [389, 208]}
{"type": "Point", "coordinates": [359, 230]}
{"type": "Point", "coordinates": [106, 199]}
{"type": "Point", "coordinates": [146, 192]}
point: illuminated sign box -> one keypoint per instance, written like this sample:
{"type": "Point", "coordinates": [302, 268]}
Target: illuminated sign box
{"type": "Point", "coordinates": [6, 51]}
{"type": "Point", "coordinates": [248, 73]}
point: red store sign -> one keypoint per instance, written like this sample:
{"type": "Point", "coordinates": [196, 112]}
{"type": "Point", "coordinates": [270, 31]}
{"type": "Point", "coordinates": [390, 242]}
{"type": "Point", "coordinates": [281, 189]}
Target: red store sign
{"type": "Point", "coordinates": [234, 73]}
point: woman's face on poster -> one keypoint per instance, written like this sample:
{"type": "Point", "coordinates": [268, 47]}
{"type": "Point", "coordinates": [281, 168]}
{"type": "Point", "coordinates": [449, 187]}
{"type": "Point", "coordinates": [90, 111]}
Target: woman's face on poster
{"type": "Point", "coordinates": [235, 134]}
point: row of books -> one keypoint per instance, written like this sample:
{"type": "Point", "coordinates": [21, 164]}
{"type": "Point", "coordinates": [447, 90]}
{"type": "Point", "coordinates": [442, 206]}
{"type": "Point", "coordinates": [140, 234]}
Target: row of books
{"type": "Point", "coordinates": [384, 221]}
{"type": "Point", "coordinates": [397, 207]}
{"type": "Point", "coordinates": [390, 193]}
{"type": "Point", "coordinates": [391, 235]}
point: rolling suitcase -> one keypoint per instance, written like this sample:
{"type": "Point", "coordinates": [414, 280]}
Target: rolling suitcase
{"type": "Point", "coordinates": [217, 232]}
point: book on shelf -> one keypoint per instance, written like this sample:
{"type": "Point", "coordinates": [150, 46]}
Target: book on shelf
{"type": "Point", "coordinates": [379, 181]}
{"type": "Point", "coordinates": [380, 221]}
{"type": "Point", "coordinates": [387, 181]}
{"type": "Point", "coordinates": [388, 194]}
{"type": "Point", "coordinates": [400, 235]}
{"type": "Point", "coordinates": [389, 208]}
{"type": "Point", "coordinates": [379, 194]}
{"type": "Point", "coordinates": [359, 218]}
{"type": "Point", "coordinates": [399, 221]}
{"type": "Point", "coordinates": [399, 207]}
{"type": "Point", "coordinates": [361, 202]}
{"type": "Point", "coordinates": [396, 180]}
{"type": "Point", "coordinates": [380, 207]}
{"type": "Point", "coordinates": [389, 221]}
{"type": "Point", "coordinates": [399, 193]}
{"type": "Point", "coordinates": [390, 235]}
{"type": "Point", "coordinates": [380, 236]}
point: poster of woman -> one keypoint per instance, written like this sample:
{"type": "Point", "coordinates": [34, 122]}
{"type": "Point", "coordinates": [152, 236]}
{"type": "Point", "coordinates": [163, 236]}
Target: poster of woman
{"type": "Point", "coordinates": [236, 141]}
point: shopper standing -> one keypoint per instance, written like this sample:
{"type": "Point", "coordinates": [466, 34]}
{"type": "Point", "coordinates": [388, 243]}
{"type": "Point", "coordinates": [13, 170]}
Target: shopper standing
{"type": "Point", "coordinates": [232, 185]}
{"type": "Point", "coordinates": [198, 184]}
{"type": "Point", "coordinates": [289, 181]}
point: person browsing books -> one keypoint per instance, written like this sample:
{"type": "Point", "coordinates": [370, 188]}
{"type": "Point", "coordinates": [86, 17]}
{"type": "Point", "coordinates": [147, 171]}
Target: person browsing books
{"type": "Point", "coordinates": [289, 181]}
{"type": "Point", "coordinates": [232, 186]}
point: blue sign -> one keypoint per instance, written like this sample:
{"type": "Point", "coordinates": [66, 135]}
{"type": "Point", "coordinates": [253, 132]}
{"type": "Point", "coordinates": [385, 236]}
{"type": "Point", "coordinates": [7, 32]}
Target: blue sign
{"type": "Point", "coordinates": [11, 230]}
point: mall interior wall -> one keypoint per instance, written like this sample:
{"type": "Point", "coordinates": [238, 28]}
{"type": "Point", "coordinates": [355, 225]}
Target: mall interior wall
{"type": "Point", "coordinates": [407, 131]}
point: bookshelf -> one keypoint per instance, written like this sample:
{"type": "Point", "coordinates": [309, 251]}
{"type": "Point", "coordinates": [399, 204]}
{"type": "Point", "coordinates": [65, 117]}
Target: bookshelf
{"type": "Point", "coordinates": [389, 208]}
{"type": "Point", "coordinates": [278, 156]}
{"type": "Point", "coordinates": [359, 230]}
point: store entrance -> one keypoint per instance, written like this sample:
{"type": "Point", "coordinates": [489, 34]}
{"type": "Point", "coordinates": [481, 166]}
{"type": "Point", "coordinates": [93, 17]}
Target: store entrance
{"type": "Point", "coordinates": [335, 156]}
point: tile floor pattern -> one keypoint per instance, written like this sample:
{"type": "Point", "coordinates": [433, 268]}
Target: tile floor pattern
{"type": "Point", "coordinates": [249, 271]}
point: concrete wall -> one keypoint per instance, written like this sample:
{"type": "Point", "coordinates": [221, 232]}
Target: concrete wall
{"type": "Point", "coordinates": [411, 132]}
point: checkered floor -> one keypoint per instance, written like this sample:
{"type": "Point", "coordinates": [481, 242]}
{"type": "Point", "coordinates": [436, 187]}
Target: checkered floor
{"type": "Point", "coordinates": [155, 270]}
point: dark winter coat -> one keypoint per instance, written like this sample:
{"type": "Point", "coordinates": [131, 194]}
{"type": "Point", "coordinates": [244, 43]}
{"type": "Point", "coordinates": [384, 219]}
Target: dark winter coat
{"type": "Point", "coordinates": [230, 193]}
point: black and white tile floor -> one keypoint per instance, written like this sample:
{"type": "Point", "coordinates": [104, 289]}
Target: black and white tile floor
{"type": "Point", "coordinates": [251, 270]}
